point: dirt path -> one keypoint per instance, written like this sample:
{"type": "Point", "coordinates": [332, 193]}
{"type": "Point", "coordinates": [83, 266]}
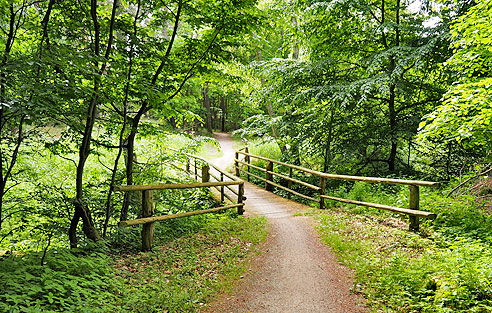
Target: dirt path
{"type": "Point", "coordinates": [294, 273]}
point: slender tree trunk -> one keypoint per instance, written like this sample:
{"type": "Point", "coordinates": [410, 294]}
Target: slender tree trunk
{"type": "Point", "coordinates": [295, 47]}
{"type": "Point", "coordinates": [206, 104]}
{"type": "Point", "coordinates": [392, 114]}
{"type": "Point", "coordinates": [82, 210]}
{"type": "Point", "coordinates": [3, 91]}
{"type": "Point", "coordinates": [327, 160]}
{"type": "Point", "coordinates": [123, 127]}
{"type": "Point", "coordinates": [135, 121]}
{"type": "Point", "coordinates": [393, 130]}
{"type": "Point", "coordinates": [223, 108]}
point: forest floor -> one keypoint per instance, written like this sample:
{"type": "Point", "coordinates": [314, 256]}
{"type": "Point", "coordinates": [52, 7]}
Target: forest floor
{"type": "Point", "coordinates": [294, 272]}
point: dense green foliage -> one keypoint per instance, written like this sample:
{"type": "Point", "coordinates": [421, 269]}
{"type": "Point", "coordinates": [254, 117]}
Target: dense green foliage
{"type": "Point", "coordinates": [361, 77]}
{"type": "Point", "coordinates": [103, 75]}
{"type": "Point", "coordinates": [63, 283]}
{"type": "Point", "coordinates": [466, 113]}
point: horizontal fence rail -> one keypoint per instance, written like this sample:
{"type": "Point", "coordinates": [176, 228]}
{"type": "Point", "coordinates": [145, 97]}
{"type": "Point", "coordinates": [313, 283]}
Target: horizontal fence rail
{"type": "Point", "coordinates": [244, 166]}
{"type": "Point", "coordinates": [201, 171]}
{"type": "Point", "coordinates": [146, 220]}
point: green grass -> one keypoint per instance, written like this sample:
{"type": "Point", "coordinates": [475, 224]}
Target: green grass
{"type": "Point", "coordinates": [210, 151]}
{"type": "Point", "coordinates": [183, 273]}
{"type": "Point", "coordinates": [447, 267]}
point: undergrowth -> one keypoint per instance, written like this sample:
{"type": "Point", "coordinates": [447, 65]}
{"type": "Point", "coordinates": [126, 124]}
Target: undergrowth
{"type": "Point", "coordinates": [64, 282]}
{"type": "Point", "coordinates": [446, 267]}
{"type": "Point", "coordinates": [192, 260]}
{"type": "Point", "coordinates": [183, 273]}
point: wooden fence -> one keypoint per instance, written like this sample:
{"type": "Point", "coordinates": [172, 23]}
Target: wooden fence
{"type": "Point", "coordinates": [148, 220]}
{"type": "Point", "coordinates": [244, 166]}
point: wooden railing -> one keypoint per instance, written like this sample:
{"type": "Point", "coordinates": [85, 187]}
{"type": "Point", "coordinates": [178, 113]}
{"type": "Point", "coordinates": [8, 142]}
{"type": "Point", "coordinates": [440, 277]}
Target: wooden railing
{"type": "Point", "coordinates": [148, 219]}
{"type": "Point", "coordinates": [201, 168]}
{"type": "Point", "coordinates": [244, 166]}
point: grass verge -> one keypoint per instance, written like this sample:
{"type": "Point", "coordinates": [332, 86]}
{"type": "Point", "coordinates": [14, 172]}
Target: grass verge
{"type": "Point", "coordinates": [183, 273]}
{"type": "Point", "coordinates": [445, 268]}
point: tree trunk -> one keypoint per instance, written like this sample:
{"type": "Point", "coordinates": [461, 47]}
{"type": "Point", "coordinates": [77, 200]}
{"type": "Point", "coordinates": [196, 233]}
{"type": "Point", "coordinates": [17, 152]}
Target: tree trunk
{"type": "Point", "coordinates": [295, 47]}
{"type": "Point", "coordinates": [393, 129]}
{"type": "Point", "coordinates": [206, 103]}
{"type": "Point", "coordinates": [223, 108]}
{"type": "Point", "coordinates": [81, 210]}
{"type": "Point", "coordinates": [327, 155]}
{"type": "Point", "coordinates": [392, 88]}
{"type": "Point", "coordinates": [121, 140]}
{"type": "Point", "coordinates": [130, 140]}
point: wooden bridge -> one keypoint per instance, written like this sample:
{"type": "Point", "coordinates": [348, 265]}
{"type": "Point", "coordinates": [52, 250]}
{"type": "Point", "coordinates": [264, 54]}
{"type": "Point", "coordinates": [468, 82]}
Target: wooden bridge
{"type": "Point", "coordinates": [212, 176]}
{"type": "Point", "coordinates": [294, 272]}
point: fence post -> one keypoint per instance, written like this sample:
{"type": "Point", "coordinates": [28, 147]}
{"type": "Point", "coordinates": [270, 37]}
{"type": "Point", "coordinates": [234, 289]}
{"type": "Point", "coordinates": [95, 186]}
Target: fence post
{"type": "Point", "coordinates": [414, 205]}
{"type": "Point", "coordinates": [240, 195]}
{"type": "Point", "coordinates": [289, 183]}
{"type": "Point", "coordinates": [322, 185]}
{"type": "Point", "coordinates": [221, 188]}
{"type": "Point", "coordinates": [246, 158]}
{"type": "Point", "coordinates": [187, 165]}
{"type": "Point", "coordinates": [236, 165]}
{"type": "Point", "coordinates": [196, 172]}
{"type": "Point", "coordinates": [147, 211]}
{"type": "Point", "coordinates": [205, 173]}
{"type": "Point", "coordinates": [268, 176]}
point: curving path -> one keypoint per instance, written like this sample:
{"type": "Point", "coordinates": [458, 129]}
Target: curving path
{"type": "Point", "coordinates": [294, 273]}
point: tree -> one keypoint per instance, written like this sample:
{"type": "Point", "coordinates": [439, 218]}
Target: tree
{"type": "Point", "coordinates": [374, 65]}
{"type": "Point", "coordinates": [25, 52]}
{"type": "Point", "coordinates": [465, 117]}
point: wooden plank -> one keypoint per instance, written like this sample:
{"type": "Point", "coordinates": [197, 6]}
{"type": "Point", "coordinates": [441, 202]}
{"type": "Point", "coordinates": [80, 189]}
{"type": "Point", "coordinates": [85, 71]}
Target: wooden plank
{"type": "Point", "coordinates": [146, 220]}
{"type": "Point", "coordinates": [385, 207]}
{"type": "Point", "coordinates": [254, 175]}
{"type": "Point", "coordinates": [293, 192]}
{"type": "Point", "coordinates": [147, 212]}
{"type": "Point", "coordinates": [322, 184]}
{"type": "Point", "coordinates": [300, 182]}
{"type": "Point", "coordinates": [205, 174]}
{"type": "Point", "coordinates": [247, 160]}
{"type": "Point", "coordinates": [221, 179]}
{"type": "Point", "coordinates": [240, 195]}
{"type": "Point", "coordinates": [289, 183]}
{"type": "Point", "coordinates": [206, 161]}
{"type": "Point", "coordinates": [213, 176]}
{"type": "Point", "coordinates": [232, 190]}
{"type": "Point", "coordinates": [250, 165]}
{"type": "Point", "coordinates": [230, 176]}
{"type": "Point", "coordinates": [236, 165]}
{"type": "Point", "coordinates": [284, 188]}
{"type": "Point", "coordinates": [413, 203]}
{"type": "Point", "coordinates": [269, 177]}
{"type": "Point", "coordinates": [222, 191]}
{"type": "Point", "coordinates": [174, 186]}
{"type": "Point", "coordinates": [348, 177]}
{"type": "Point", "coordinates": [226, 195]}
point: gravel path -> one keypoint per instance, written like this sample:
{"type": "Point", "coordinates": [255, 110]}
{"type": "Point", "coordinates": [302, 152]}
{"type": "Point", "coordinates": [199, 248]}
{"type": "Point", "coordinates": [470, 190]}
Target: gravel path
{"type": "Point", "coordinates": [294, 272]}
